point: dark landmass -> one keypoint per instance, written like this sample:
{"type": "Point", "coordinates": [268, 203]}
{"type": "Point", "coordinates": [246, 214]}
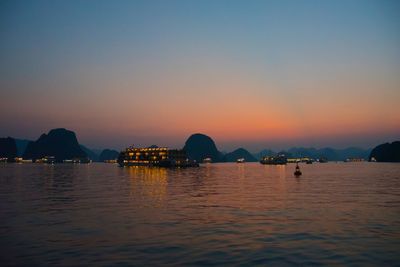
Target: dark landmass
{"type": "Point", "coordinates": [21, 146]}
{"type": "Point", "coordinates": [328, 153]}
{"type": "Point", "coordinates": [239, 153]}
{"type": "Point", "coordinates": [264, 153]}
{"type": "Point", "coordinates": [91, 154]}
{"type": "Point", "coordinates": [200, 146]}
{"type": "Point", "coordinates": [8, 148]}
{"type": "Point", "coordinates": [108, 154]}
{"type": "Point", "coordinates": [38, 148]}
{"type": "Point", "coordinates": [96, 151]}
{"type": "Point", "coordinates": [100, 155]}
{"type": "Point", "coordinates": [60, 143]}
{"type": "Point", "coordinates": [388, 152]}
{"type": "Point", "coordinates": [331, 153]}
{"type": "Point", "coordinates": [63, 144]}
{"type": "Point", "coordinates": [285, 153]}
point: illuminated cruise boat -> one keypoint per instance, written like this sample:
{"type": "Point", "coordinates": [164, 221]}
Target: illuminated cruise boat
{"type": "Point", "coordinates": [241, 160]}
{"type": "Point", "coordinates": [155, 156]}
{"type": "Point", "coordinates": [275, 160]}
{"type": "Point", "coordinates": [355, 160]}
{"type": "Point", "coordinates": [207, 160]}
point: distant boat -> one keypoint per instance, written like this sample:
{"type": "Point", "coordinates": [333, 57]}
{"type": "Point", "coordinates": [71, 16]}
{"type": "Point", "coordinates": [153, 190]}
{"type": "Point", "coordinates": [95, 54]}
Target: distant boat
{"type": "Point", "coordinates": [297, 171]}
{"type": "Point", "coordinates": [241, 160]}
{"type": "Point", "coordinates": [155, 157]}
{"type": "Point", "coordinates": [49, 159]}
{"type": "Point", "coordinates": [323, 160]}
{"type": "Point", "coordinates": [354, 160]}
{"type": "Point", "coordinates": [207, 160]}
{"type": "Point", "coordinates": [276, 160]}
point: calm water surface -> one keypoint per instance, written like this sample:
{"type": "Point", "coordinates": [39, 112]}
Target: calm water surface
{"type": "Point", "coordinates": [218, 214]}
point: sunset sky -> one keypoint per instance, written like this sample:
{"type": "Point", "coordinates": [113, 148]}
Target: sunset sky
{"type": "Point", "coordinates": [255, 74]}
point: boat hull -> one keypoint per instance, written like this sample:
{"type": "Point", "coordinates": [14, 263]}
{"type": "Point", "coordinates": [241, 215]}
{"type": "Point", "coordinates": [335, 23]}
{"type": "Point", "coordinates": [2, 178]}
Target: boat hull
{"type": "Point", "coordinates": [163, 164]}
{"type": "Point", "coordinates": [275, 160]}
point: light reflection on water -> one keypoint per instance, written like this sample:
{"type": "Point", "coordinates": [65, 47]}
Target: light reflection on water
{"type": "Point", "coordinates": [100, 214]}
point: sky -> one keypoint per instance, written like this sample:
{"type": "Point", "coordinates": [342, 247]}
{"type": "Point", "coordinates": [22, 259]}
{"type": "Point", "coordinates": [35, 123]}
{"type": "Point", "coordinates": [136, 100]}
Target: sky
{"type": "Point", "coordinates": [253, 74]}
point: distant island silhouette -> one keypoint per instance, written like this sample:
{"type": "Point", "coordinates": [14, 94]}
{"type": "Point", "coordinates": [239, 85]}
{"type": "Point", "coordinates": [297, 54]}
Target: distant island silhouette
{"type": "Point", "coordinates": [63, 144]}
{"type": "Point", "coordinates": [91, 154]}
{"type": "Point", "coordinates": [386, 152]}
{"type": "Point", "coordinates": [8, 148]}
{"type": "Point", "coordinates": [330, 154]}
{"type": "Point", "coordinates": [60, 143]}
{"type": "Point", "coordinates": [200, 146]}
{"type": "Point", "coordinates": [238, 154]}
{"type": "Point", "coordinates": [108, 154]}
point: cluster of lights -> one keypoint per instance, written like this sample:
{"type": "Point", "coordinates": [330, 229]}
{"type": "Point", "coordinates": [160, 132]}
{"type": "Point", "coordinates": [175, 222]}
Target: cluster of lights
{"type": "Point", "coordinates": [135, 149]}
{"type": "Point", "coordinates": [154, 156]}
{"type": "Point", "coordinates": [304, 159]}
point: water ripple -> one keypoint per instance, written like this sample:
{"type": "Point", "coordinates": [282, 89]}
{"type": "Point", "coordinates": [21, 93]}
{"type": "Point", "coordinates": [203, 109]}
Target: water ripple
{"type": "Point", "coordinates": [218, 214]}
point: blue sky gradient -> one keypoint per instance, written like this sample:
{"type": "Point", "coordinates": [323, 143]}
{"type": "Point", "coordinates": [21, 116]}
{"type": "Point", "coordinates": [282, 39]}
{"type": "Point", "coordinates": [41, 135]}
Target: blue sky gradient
{"type": "Point", "coordinates": [251, 73]}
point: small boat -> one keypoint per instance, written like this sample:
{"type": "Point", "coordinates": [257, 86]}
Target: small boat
{"type": "Point", "coordinates": [276, 160]}
{"type": "Point", "coordinates": [207, 160]}
{"type": "Point", "coordinates": [297, 171]}
{"type": "Point", "coordinates": [241, 160]}
{"type": "Point", "coordinates": [323, 160]}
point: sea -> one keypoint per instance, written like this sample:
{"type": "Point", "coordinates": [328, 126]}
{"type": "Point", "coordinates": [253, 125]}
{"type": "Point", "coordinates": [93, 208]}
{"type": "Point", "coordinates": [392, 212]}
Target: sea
{"type": "Point", "coordinates": [223, 214]}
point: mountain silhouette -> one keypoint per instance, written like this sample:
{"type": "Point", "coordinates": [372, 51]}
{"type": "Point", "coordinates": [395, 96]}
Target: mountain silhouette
{"type": "Point", "coordinates": [21, 146]}
{"type": "Point", "coordinates": [60, 143]}
{"type": "Point", "coordinates": [199, 146]}
{"type": "Point", "coordinates": [91, 154]}
{"type": "Point", "coordinates": [8, 148]}
{"type": "Point", "coordinates": [327, 152]}
{"type": "Point", "coordinates": [386, 152]}
{"type": "Point", "coordinates": [264, 153]}
{"type": "Point", "coordinates": [330, 153]}
{"type": "Point", "coordinates": [239, 153]}
{"type": "Point", "coordinates": [108, 154]}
